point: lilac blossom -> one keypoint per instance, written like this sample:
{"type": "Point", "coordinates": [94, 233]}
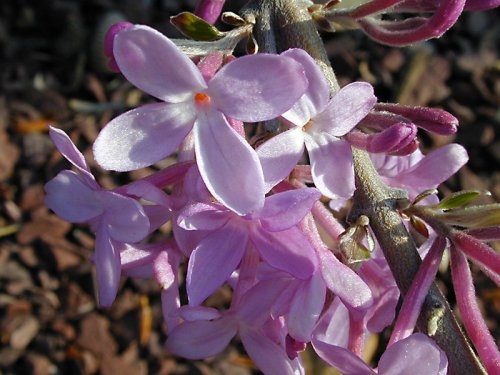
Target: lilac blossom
{"type": "Point", "coordinates": [317, 124]}
{"type": "Point", "coordinates": [235, 217]}
{"type": "Point", "coordinates": [382, 132]}
{"type": "Point", "coordinates": [417, 172]}
{"type": "Point", "coordinates": [206, 331]}
{"type": "Point", "coordinates": [272, 232]}
{"type": "Point", "coordinates": [416, 354]}
{"type": "Point", "coordinates": [392, 128]}
{"type": "Point", "coordinates": [252, 88]}
{"type": "Point", "coordinates": [115, 218]}
{"type": "Point", "coordinates": [303, 300]}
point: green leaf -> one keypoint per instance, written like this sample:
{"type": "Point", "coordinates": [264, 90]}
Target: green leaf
{"type": "Point", "coordinates": [487, 215]}
{"type": "Point", "coordinates": [195, 27]}
{"type": "Point", "coordinates": [458, 199]}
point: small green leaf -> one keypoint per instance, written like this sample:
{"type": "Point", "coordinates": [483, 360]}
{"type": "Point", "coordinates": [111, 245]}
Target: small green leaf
{"type": "Point", "coordinates": [486, 215]}
{"type": "Point", "coordinates": [195, 27]}
{"type": "Point", "coordinates": [458, 199]}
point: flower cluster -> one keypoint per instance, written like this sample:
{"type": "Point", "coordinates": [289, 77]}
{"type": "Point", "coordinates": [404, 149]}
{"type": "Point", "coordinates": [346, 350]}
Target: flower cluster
{"type": "Point", "coordinates": [243, 214]}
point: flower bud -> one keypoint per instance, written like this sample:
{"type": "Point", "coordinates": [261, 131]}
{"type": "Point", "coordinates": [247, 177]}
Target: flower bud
{"type": "Point", "coordinates": [384, 132]}
{"type": "Point", "coordinates": [209, 10]}
{"type": "Point", "coordinates": [434, 120]}
{"type": "Point", "coordinates": [108, 43]}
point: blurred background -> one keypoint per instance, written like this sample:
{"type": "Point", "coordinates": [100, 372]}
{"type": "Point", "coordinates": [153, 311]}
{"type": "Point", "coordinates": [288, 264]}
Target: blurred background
{"type": "Point", "coordinates": [52, 71]}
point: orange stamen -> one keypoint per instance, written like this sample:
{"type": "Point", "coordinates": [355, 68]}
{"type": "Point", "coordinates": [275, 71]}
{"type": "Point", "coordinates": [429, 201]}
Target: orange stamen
{"type": "Point", "coordinates": [201, 98]}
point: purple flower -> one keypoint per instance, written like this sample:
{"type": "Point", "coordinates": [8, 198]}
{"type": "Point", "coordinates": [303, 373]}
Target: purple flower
{"type": "Point", "coordinates": [272, 232]}
{"type": "Point", "coordinates": [252, 88]}
{"type": "Point", "coordinates": [416, 354]}
{"type": "Point", "coordinates": [418, 172]}
{"type": "Point", "coordinates": [206, 331]}
{"type": "Point", "coordinates": [318, 123]}
{"type": "Point", "coordinates": [115, 218]}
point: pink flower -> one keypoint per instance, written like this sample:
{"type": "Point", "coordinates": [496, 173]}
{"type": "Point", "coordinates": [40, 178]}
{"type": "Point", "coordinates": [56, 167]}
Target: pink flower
{"type": "Point", "coordinates": [417, 172]}
{"type": "Point", "coordinates": [252, 88]}
{"type": "Point", "coordinates": [272, 232]}
{"type": "Point", "coordinates": [318, 123]}
{"type": "Point", "coordinates": [417, 354]}
{"type": "Point", "coordinates": [78, 198]}
{"type": "Point", "coordinates": [206, 332]}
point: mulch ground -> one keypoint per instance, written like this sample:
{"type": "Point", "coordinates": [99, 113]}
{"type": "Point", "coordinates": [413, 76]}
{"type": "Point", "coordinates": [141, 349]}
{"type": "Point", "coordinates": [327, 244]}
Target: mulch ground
{"type": "Point", "coordinates": [52, 72]}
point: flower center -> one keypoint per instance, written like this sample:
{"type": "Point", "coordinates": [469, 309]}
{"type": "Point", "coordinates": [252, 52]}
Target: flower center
{"type": "Point", "coordinates": [308, 125]}
{"type": "Point", "coordinates": [202, 100]}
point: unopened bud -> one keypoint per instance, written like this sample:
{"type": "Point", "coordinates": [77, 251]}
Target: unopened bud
{"type": "Point", "coordinates": [209, 10]}
{"type": "Point", "coordinates": [434, 120]}
{"type": "Point", "coordinates": [109, 40]}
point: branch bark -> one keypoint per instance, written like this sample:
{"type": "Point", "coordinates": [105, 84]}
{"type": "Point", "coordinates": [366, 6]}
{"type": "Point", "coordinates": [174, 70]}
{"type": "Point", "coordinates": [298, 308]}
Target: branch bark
{"type": "Point", "coordinates": [283, 24]}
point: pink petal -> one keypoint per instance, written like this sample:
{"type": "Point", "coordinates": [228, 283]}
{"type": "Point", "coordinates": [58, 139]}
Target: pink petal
{"type": "Point", "coordinates": [154, 64]}
{"type": "Point", "coordinates": [143, 136]}
{"type": "Point", "coordinates": [209, 10]}
{"type": "Point", "coordinates": [107, 263]}
{"type": "Point", "coordinates": [279, 155]}
{"type": "Point", "coordinates": [306, 307]}
{"type": "Point", "coordinates": [417, 354]}
{"type": "Point", "coordinates": [345, 110]}
{"type": "Point", "coordinates": [473, 320]}
{"type": "Point", "coordinates": [333, 326]}
{"type": "Point", "coordinates": [124, 217]}
{"type": "Point", "coordinates": [137, 255]}
{"type": "Point", "coordinates": [331, 165]}
{"type": "Point", "coordinates": [286, 209]}
{"type": "Point", "coordinates": [213, 261]}
{"type": "Point", "coordinates": [344, 282]}
{"type": "Point", "coordinates": [148, 192]}
{"type": "Point", "coordinates": [228, 165]}
{"type": "Point", "coordinates": [71, 153]}
{"type": "Point", "coordinates": [317, 94]}
{"type": "Point", "coordinates": [330, 341]}
{"type": "Point", "coordinates": [192, 313]}
{"type": "Point", "coordinates": [342, 359]}
{"type": "Point", "coordinates": [201, 338]}
{"type": "Point", "coordinates": [288, 250]}
{"type": "Point", "coordinates": [203, 216]}
{"type": "Point", "coordinates": [165, 269]}
{"type": "Point", "coordinates": [257, 303]}
{"type": "Point", "coordinates": [269, 357]}
{"type": "Point", "coordinates": [434, 168]}
{"type": "Point", "coordinates": [70, 198]}
{"type": "Point", "coordinates": [257, 87]}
